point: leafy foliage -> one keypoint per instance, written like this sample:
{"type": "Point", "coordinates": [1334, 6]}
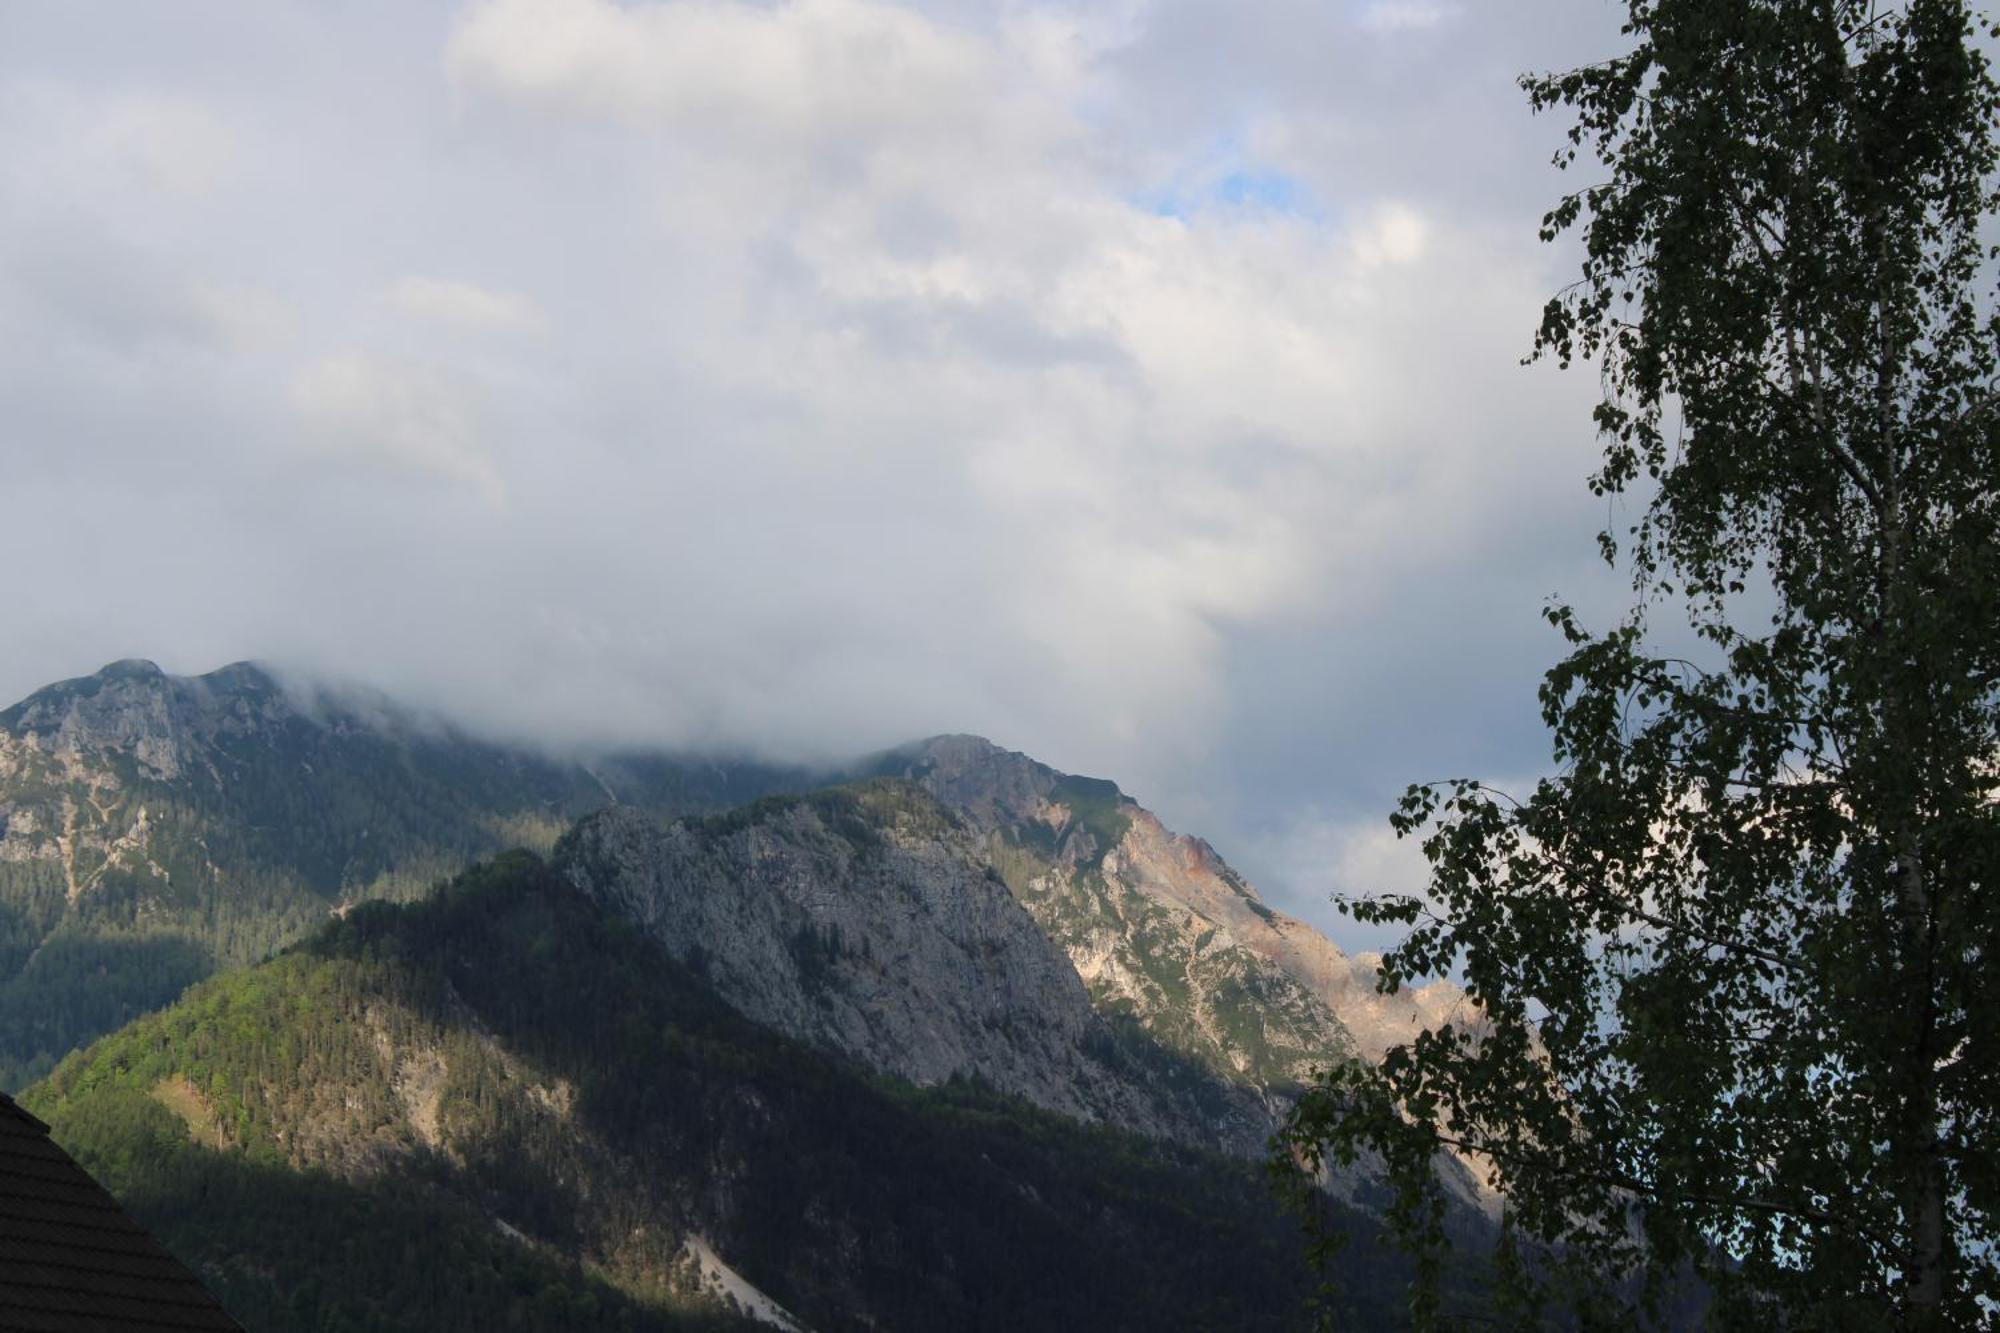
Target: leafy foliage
{"type": "Point", "coordinates": [1734, 959]}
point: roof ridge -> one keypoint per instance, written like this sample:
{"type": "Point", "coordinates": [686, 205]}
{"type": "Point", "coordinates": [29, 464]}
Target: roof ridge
{"type": "Point", "coordinates": [7, 1103]}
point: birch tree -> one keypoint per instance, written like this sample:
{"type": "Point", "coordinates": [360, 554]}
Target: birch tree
{"type": "Point", "coordinates": [1735, 959]}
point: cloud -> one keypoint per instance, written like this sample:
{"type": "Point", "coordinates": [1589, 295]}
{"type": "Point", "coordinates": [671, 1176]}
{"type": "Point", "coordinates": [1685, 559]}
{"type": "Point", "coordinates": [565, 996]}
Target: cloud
{"type": "Point", "coordinates": [819, 69]}
{"type": "Point", "coordinates": [1393, 234]}
{"type": "Point", "coordinates": [465, 305]}
{"type": "Point", "coordinates": [1321, 855]}
{"type": "Point", "coordinates": [165, 143]}
{"type": "Point", "coordinates": [1404, 16]}
{"type": "Point", "coordinates": [405, 417]}
{"type": "Point", "coordinates": [1136, 384]}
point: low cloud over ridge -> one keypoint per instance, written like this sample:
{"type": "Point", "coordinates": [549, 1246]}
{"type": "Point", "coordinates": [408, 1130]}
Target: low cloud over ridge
{"type": "Point", "coordinates": [808, 376]}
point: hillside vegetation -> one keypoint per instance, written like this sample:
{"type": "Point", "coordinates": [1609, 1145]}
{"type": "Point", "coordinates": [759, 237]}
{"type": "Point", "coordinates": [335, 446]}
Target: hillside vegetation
{"type": "Point", "coordinates": [505, 1106]}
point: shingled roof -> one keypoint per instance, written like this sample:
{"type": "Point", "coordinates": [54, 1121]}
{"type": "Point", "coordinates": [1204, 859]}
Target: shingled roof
{"type": "Point", "coordinates": [70, 1259]}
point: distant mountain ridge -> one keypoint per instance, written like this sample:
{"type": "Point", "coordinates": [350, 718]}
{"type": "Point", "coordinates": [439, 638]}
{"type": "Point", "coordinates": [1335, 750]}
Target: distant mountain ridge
{"type": "Point", "coordinates": [1021, 951]}
{"type": "Point", "coordinates": [154, 828]}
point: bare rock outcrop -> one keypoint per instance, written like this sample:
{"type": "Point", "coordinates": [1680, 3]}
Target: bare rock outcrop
{"type": "Point", "coordinates": [869, 921]}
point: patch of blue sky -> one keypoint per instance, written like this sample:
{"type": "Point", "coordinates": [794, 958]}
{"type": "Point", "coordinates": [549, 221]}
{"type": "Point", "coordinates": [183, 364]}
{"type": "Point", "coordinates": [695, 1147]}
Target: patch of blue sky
{"type": "Point", "coordinates": [1225, 177]}
{"type": "Point", "coordinates": [1242, 190]}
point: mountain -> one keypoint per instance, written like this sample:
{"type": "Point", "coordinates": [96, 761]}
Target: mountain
{"type": "Point", "coordinates": [513, 1104]}
{"type": "Point", "coordinates": [155, 828]}
{"type": "Point", "coordinates": [1161, 929]}
{"type": "Point", "coordinates": [978, 914]}
{"type": "Point", "coordinates": [946, 1039]}
{"type": "Point", "coordinates": [868, 920]}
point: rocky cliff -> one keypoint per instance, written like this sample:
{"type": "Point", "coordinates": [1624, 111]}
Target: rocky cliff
{"type": "Point", "coordinates": [1160, 927]}
{"type": "Point", "coordinates": [870, 921]}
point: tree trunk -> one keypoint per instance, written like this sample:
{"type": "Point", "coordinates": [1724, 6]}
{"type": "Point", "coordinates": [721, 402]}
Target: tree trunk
{"type": "Point", "coordinates": [1922, 1160]}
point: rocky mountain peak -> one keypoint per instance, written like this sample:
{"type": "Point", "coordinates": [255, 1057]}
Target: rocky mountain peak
{"type": "Point", "coordinates": [134, 708]}
{"type": "Point", "coordinates": [131, 668]}
{"type": "Point", "coordinates": [870, 921]}
{"type": "Point", "coordinates": [991, 786]}
{"type": "Point", "coordinates": [1159, 925]}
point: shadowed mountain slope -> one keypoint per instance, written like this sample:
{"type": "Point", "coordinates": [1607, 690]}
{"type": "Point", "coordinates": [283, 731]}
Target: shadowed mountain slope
{"type": "Point", "coordinates": [512, 1103]}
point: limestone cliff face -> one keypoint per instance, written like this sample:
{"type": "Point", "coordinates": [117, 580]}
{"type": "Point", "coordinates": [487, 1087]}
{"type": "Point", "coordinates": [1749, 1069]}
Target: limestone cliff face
{"type": "Point", "coordinates": [97, 776]}
{"type": "Point", "coordinates": [1160, 927]}
{"type": "Point", "coordinates": [1166, 935]}
{"type": "Point", "coordinates": [870, 921]}
{"type": "Point", "coordinates": [137, 717]}
{"type": "Point", "coordinates": [1188, 872]}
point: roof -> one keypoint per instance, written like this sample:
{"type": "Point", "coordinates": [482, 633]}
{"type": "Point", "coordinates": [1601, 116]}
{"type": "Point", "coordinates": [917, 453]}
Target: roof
{"type": "Point", "coordinates": [70, 1258]}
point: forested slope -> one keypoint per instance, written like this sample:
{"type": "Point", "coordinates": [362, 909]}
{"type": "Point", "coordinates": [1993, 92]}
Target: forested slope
{"type": "Point", "coordinates": [505, 1106]}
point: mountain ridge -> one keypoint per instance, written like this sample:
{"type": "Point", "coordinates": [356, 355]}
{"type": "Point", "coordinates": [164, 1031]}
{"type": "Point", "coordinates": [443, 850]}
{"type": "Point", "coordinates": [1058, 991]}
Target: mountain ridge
{"type": "Point", "coordinates": [516, 1074]}
{"type": "Point", "coordinates": [154, 828]}
{"type": "Point", "coordinates": [1017, 949]}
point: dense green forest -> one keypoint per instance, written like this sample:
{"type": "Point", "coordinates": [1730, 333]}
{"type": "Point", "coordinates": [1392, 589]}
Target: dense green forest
{"type": "Point", "coordinates": [585, 1104]}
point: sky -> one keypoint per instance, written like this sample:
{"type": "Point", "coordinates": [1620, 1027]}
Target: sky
{"type": "Point", "coordinates": [1135, 383]}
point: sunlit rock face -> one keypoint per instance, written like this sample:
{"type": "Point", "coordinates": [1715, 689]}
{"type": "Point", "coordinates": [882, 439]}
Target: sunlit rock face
{"type": "Point", "coordinates": [1168, 938]}
{"type": "Point", "coordinates": [871, 921]}
{"type": "Point", "coordinates": [1160, 927]}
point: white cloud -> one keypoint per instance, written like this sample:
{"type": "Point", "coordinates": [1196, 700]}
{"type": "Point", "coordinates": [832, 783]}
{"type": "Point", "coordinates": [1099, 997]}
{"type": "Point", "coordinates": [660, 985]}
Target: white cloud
{"type": "Point", "coordinates": [407, 417]}
{"type": "Point", "coordinates": [1080, 371]}
{"type": "Point", "coordinates": [465, 305]}
{"type": "Point", "coordinates": [873, 397]}
{"type": "Point", "coordinates": [1405, 15]}
{"type": "Point", "coordinates": [1393, 234]}
{"type": "Point", "coordinates": [1318, 855]}
{"type": "Point", "coordinates": [825, 69]}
